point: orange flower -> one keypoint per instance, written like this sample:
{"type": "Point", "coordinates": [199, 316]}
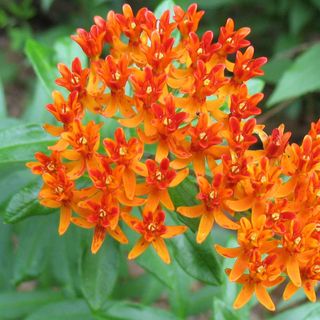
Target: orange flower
{"type": "Point", "coordinates": [213, 197]}
{"type": "Point", "coordinates": [153, 231]}
{"type": "Point", "coordinates": [297, 248]}
{"type": "Point", "coordinates": [84, 141]}
{"type": "Point", "coordinates": [129, 155]}
{"type": "Point", "coordinates": [114, 74]}
{"type": "Point", "coordinates": [253, 239]}
{"type": "Point", "coordinates": [90, 42]}
{"type": "Point", "coordinates": [59, 192]}
{"type": "Point", "coordinates": [166, 122]}
{"type": "Point", "coordinates": [263, 274]}
{"type": "Point", "coordinates": [102, 215]}
{"type": "Point", "coordinates": [46, 164]}
{"type": "Point", "coordinates": [205, 139]}
{"type": "Point", "coordinates": [310, 277]}
{"type": "Point", "coordinates": [187, 21]}
{"type": "Point", "coordinates": [160, 178]}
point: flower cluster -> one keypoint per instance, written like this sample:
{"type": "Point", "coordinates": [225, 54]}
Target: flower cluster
{"type": "Point", "coordinates": [188, 98]}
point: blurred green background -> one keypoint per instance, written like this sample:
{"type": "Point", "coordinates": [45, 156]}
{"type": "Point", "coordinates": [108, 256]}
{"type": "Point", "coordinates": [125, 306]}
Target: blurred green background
{"type": "Point", "coordinates": [34, 37]}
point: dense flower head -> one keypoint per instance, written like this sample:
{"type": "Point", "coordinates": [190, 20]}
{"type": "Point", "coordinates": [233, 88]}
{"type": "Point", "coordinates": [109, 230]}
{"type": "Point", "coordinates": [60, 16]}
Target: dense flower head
{"type": "Point", "coordinates": [185, 115]}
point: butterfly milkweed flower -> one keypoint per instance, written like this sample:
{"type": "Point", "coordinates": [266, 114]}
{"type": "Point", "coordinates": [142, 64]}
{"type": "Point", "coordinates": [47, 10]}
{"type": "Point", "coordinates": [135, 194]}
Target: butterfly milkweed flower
{"type": "Point", "coordinates": [183, 109]}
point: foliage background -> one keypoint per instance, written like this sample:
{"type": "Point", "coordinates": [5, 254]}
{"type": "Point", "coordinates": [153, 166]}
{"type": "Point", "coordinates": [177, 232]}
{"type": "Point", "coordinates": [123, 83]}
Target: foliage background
{"type": "Point", "coordinates": [44, 276]}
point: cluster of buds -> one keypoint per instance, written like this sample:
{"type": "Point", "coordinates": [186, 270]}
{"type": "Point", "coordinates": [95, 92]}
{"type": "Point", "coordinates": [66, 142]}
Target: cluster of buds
{"type": "Point", "coordinates": [189, 99]}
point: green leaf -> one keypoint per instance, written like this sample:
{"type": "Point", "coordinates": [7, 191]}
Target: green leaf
{"type": "Point", "coordinates": [151, 262]}
{"type": "Point", "coordinates": [32, 251]}
{"type": "Point", "coordinates": [223, 311]}
{"type": "Point", "coordinates": [18, 144]}
{"type": "Point", "coordinates": [301, 78]}
{"type": "Point", "coordinates": [120, 310]}
{"type": "Point", "coordinates": [275, 68]}
{"type": "Point", "coordinates": [63, 310]}
{"type": "Point", "coordinates": [163, 6]}
{"type": "Point", "coordinates": [3, 107]}
{"type": "Point", "coordinates": [198, 260]}
{"type": "Point", "coordinates": [46, 4]}
{"type": "Point", "coordinates": [6, 256]}
{"type": "Point", "coordinates": [25, 204]}
{"type": "Point", "coordinates": [300, 14]}
{"type": "Point", "coordinates": [99, 273]}
{"type": "Point", "coordinates": [255, 86]}
{"type": "Point", "coordinates": [14, 305]}
{"type": "Point", "coordinates": [41, 58]}
{"type": "Point", "coordinates": [310, 311]}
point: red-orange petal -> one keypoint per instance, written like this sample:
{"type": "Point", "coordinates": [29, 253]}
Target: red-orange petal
{"type": "Point", "coordinates": [140, 247]}
{"type": "Point", "coordinates": [129, 183]}
{"type": "Point", "coordinates": [161, 249]}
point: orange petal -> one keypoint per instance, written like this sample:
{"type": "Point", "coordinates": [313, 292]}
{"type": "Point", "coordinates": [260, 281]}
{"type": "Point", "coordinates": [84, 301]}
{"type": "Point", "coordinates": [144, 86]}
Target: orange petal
{"type": "Point", "coordinates": [289, 291]}
{"type": "Point", "coordinates": [75, 169]}
{"type": "Point", "coordinates": [71, 155]}
{"type": "Point", "coordinates": [244, 295]}
{"type": "Point", "coordinates": [142, 189]}
{"type": "Point", "coordinates": [120, 195]}
{"type": "Point", "coordinates": [228, 252]}
{"type": "Point", "coordinates": [140, 168]}
{"type": "Point", "coordinates": [118, 234]}
{"type": "Point", "coordinates": [138, 248]}
{"type": "Point", "coordinates": [285, 189]}
{"type": "Point", "coordinates": [240, 205]}
{"type": "Point", "coordinates": [293, 271]}
{"type": "Point", "coordinates": [264, 297]}
{"type": "Point", "coordinates": [161, 249]}
{"type": "Point", "coordinates": [166, 200]}
{"type": "Point", "coordinates": [82, 223]}
{"type": "Point", "coordinates": [308, 288]}
{"type": "Point", "coordinates": [152, 202]}
{"type": "Point", "coordinates": [50, 203]}
{"type": "Point", "coordinates": [181, 175]}
{"type": "Point", "coordinates": [238, 269]}
{"type": "Point", "coordinates": [180, 163]}
{"type": "Point", "coordinates": [53, 130]}
{"type": "Point", "coordinates": [98, 238]}
{"type": "Point", "coordinates": [130, 220]}
{"type": "Point", "coordinates": [61, 145]}
{"type": "Point", "coordinates": [223, 221]}
{"type": "Point", "coordinates": [162, 151]}
{"type": "Point", "coordinates": [65, 218]}
{"type": "Point", "coordinates": [132, 122]}
{"type": "Point", "coordinates": [205, 227]}
{"type": "Point", "coordinates": [172, 231]}
{"type": "Point", "coordinates": [192, 212]}
{"type": "Point", "coordinates": [198, 162]}
{"type": "Point", "coordinates": [129, 183]}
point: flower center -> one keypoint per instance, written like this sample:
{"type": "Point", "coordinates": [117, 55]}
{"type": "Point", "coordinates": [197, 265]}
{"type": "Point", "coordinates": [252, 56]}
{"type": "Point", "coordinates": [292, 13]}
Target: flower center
{"type": "Point", "coordinates": [102, 213]}
{"type": "Point", "coordinates": [200, 51]}
{"type": "Point", "coordinates": [159, 55]}
{"type": "Point", "coordinates": [206, 82]}
{"type": "Point", "coordinates": [122, 151]}
{"type": "Point", "coordinates": [51, 166]}
{"type": "Point", "coordinates": [133, 25]}
{"type": "Point", "coordinates": [58, 190]}
{"type": "Point", "coordinates": [83, 140]}
{"type": "Point", "coordinates": [202, 135]}
{"type": "Point", "coordinates": [239, 138]}
{"type": "Point", "coordinates": [167, 121]}
{"type": "Point", "coordinates": [149, 89]}
{"type": "Point", "coordinates": [117, 75]}
{"type": "Point", "coordinates": [261, 269]}
{"type": "Point", "coordinates": [108, 180]}
{"type": "Point", "coordinates": [253, 236]}
{"type": "Point", "coordinates": [297, 240]}
{"type": "Point", "coordinates": [275, 216]}
{"type": "Point", "coordinates": [159, 176]}
{"type": "Point", "coordinates": [242, 106]}
{"type": "Point", "coordinates": [316, 268]}
{"type": "Point", "coordinates": [152, 227]}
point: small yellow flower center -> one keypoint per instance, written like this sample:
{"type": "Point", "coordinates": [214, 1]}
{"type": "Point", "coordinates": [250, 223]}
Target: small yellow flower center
{"type": "Point", "coordinates": [316, 268]}
{"type": "Point", "coordinates": [149, 90]}
{"type": "Point", "coordinates": [253, 236]}
{"type": "Point", "coordinates": [159, 55]}
{"type": "Point", "coordinates": [239, 138]}
{"type": "Point", "coordinates": [75, 80]}
{"type": "Point", "coordinates": [133, 25]}
{"type": "Point", "coordinates": [51, 166]}
{"type": "Point", "coordinates": [117, 75]}
{"type": "Point", "coordinates": [230, 40]}
{"type": "Point", "coordinates": [263, 179]}
{"type": "Point", "coordinates": [242, 106]}
{"type": "Point", "coordinates": [318, 227]}
{"type": "Point", "coordinates": [159, 176]}
{"type": "Point", "coordinates": [152, 227]}
{"type": "Point", "coordinates": [186, 20]}
{"type": "Point", "coordinates": [122, 151]}
{"type": "Point", "coordinates": [200, 51]}
{"type": "Point", "coordinates": [261, 269]}
{"type": "Point", "coordinates": [318, 136]}
{"type": "Point", "coordinates": [167, 121]}
{"type": "Point", "coordinates": [213, 194]}
{"type": "Point", "coordinates": [297, 240]}
{"type": "Point", "coordinates": [108, 179]}
{"type": "Point", "coordinates": [234, 169]}
{"type": "Point", "coordinates": [305, 157]}
{"type": "Point", "coordinates": [65, 109]}
{"type": "Point", "coordinates": [58, 189]}
{"type": "Point", "coordinates": [202, 135]}
{"type": "Point", "coordinates": [83, 140]}
{"type": "Point", "coordinates": [275, 216]}
{"type": "Point", "coordinates": [206, 82]}
{"type": "Point", "coordinates": [245, 67]}
{"type": "Point", "coordinates": [102, 213]}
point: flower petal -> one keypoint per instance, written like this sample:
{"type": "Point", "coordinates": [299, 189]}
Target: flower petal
{"type": "Point", "coordinates": [293, 271]}
{"type": "Point", "coordinates": [205, 227]}
{"type": "Point", "coordinates": [244, 295]}
{"type": "Point", "coordinates": [172, 231]}
{"type": "Point", "coordinates": [65, 218]}
{"type": "Point", "coordinates": [166, 200]}
{"type": "Point", "coordinates": [264, 297]}
{"type": "Point", "coordinates": [223, 221]}
{"type": "Point", "coordinates": [129, 183]}
{"type": "Point", "coordinates": [138, 248]}
{"type": "Point", "coordinates": [161, 249]}
{"type": "Point", "coordinates": [82, 223]}
{"type": "Point", "coordinates": [192, 212]}
{"type": "Point", "coordinates": [228, 252]}
{"type": "Point", "coordinates": [289, 291]}
{"type": "Point", "coordinates": [239, 268]}
{"type": "Point", "coordinates": [118, 234]}
{"type": "Point", "coordinates": [180, 176]}
{"type": "Point", "coordinates": [98, 238]}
